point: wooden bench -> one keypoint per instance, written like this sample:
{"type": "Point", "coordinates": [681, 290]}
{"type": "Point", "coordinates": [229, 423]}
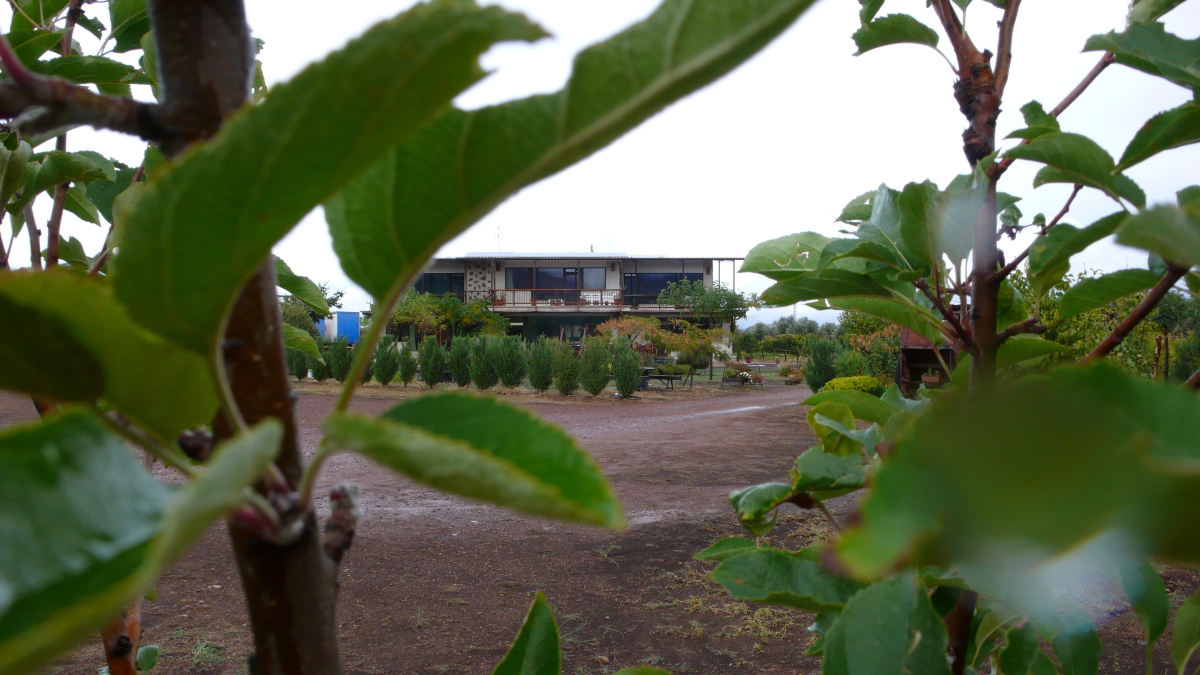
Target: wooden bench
{"type": "Point", "coordinates": [667, 380]}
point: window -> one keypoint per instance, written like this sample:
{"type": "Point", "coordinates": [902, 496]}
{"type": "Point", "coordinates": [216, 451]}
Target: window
{"type": "Point", "coordinates": [644, 287]}
{"type": "Point", "coordinates": [441, 283]}
{"type": "Point", "coordinates": [518, 277]}
{"type": "Point", "coordinates": [552, 277]}
{"type": "Point", "coordinates": [593, 277]}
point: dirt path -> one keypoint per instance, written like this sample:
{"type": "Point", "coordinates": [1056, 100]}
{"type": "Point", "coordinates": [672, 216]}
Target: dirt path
{"type": "Point", "coordinates": [437, 584]}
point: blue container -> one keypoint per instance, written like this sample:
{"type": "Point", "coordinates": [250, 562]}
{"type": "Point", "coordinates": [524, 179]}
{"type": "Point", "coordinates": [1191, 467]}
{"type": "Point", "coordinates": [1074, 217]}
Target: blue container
{"type": "Point", "coordinates": [347, 324]}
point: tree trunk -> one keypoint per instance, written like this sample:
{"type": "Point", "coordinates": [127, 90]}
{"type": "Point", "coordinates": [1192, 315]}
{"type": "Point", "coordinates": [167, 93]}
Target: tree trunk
{"type": "Point", "coordinates": [206, 63]}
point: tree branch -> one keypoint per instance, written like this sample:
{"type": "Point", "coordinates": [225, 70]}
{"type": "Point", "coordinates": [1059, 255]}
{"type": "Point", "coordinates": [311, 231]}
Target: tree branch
{"type": "Point", "coordinates": [1026, 326]}
{"type": "Point", "coordinates": [35, 244]}
{"type": "Point", "coordinates": [1139, 313]}
{"type": "Point", "coordinates": [1008, 269]}
{"type": "Point", "coordinates": [1004, 45]}
{"type": "Point", "coordinates": [963, 336]}
{"type": "Point", "coordinates": [40, 104]}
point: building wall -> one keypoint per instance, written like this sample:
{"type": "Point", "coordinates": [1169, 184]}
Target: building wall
{"type": "Point", "coordinates": [479, 274]}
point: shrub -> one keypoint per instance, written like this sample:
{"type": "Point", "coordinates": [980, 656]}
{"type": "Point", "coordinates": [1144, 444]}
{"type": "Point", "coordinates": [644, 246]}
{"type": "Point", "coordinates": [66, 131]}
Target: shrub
{"type": "Point", "coordinates": [369, 371]}
{"type": "Point", "coordinates": [339, 358]}
{"type": "Point", "coordinates": [387, 360]}
{"type": "Point", "coordinates": [483, 373]}
{"type": "Point", "coordinates": [593, 375]}
{"type": "Point", "coordinates": [432, 359]}
{"type": "Point", "coordinates": [851, 363]}
{"type": "Point", "coordinates": [318, 369]}
{"type": "Point", "coordinates": [508, 360]}
{"type": "Point", "coordinates": [541, 364]}
{"type": "Point", "coordinates": [626, 368]}
{"type": "Point", "coordinates": [408, 365]}
{"type": "Point", "coordinates": [566, 369]}
{"type": "Point", "coordinates": [297, 362]}
{"type": "Point", "coordinates": [786, 369]}
{"type": "Point", "coordinates": [460, 361]}
{"type": "Point", "coordinates": [820, 364]}
{"type": "Point", "coordinates": [864, 383]}
{"type": "Point", "coordinates": [673, 369]}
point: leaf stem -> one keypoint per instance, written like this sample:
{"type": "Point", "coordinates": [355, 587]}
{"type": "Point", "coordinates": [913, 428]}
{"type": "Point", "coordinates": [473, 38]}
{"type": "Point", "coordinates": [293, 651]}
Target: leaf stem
{"type": "Point", "coordinates": [829, 516]}
{"type": "Point", "coordinates": [366, 348]}
{"type": "Point", "coordinates": [309, 479]}
{"type": "Point", "coordinates": [1139, 313]}
{"type": "Point", "coordinates": [220, 377]}
{"type": "Point", "coordinates": [1008, 269]}
{"type": "Point", "coordinates": [172, 458]}
{"type": "Point", "coordinates": [35, 244]}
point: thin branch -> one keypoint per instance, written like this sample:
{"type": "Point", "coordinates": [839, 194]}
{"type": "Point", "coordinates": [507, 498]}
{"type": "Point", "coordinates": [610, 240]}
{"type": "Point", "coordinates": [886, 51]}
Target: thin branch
{"type": "Point", "coordinates": [3, 249]}
{"type": "Point", "coordinates": [947, 313]}
{"type": "Point", "coordinates": [1008, 269]}
{"type": "Point", "coordinates": [40, 104]}
{"type": "Point", "coordinates": [1139, 314]}
{"type": "Point", "coordinates": [35, 243]}
{"type": "Point", "coordinates": [103, 257]}
{"type": "Point", "coordinates": [1004, 45]}
{"type": "Point", "coordinates": [832, 521]}
{"type": "Point", "coordinates": [963, 47]}
{"type": "Point", "coordinates": [169, 456]}
{"type": "Point", "coordinates": [1026, 326]}
{"type": "Point", "coordinates": [54, 225]}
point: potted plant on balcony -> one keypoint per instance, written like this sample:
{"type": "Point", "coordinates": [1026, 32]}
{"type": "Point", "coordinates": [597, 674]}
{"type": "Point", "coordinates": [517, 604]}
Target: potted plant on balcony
{"type": "Point", "coordinates": [930, 377]}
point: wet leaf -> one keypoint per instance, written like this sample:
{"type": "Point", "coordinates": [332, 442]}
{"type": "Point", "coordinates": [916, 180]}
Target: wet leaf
{"type": "Point", "coordinates": [301, 288]}
{"type": "Point", "coordinates": [775, 577]}
{"type": "Point", "coordinates": [536, 650]}
{"type": "Point", "coordinates": [726, 548]}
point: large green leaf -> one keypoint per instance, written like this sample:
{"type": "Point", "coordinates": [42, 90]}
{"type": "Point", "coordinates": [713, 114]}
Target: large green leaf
{"type": "Point", "coordinates": [1089, 294]}
{"type": "Point", "coordinates": [78, 513]}
{"type": "Point", "coordinates": [210, 219]}
{"type": "Point", "coordinates": [483, 449]}
{"type": "Point", "coordinates": [1173, 128]}
{"type": "Point", "coordinates": [832, 438]}
{"type": "Point", "coordinates": [85, 69]}
{"type": "Point", "coordinates": [919, 320]}
{"type": "Point", "coordinates": [130, 21]}
{"type": "Point", "coordinates": [864, 406]}
{"type": "Point", "coordinates": [300, 340]}
{"type": "Point", "coordinates": [786, 257]}
{"type": "Point", "coordinates": [1022, 348]}
{"type": "Point", "coordinates": [29, 45]}
{"type": "Point", "coordinates": [1074, 638]}
{"type": "Point", "coordinates": [41, 12]}
{"type": "Point", "coordinates": [1072, 158]}
{"type": "Point", "coordinates": [820, 471]}
{"type": "Point", "coordinates": [776, 577]}
{"type": "Point", "coordinates": [1074, 444]}
{"type": "Point", "coordinates": [1169, 231]}
{"type": "Point", "coordinates": [755, 505]}
{"type": "Point", "coordinates": [1022, 655]}
{"type": "Point", "coordinates": [832, 283]}
{"type": "Point", "coordinates": [104, 192]}
{"type": "Point", "coordinates": [888, 628]}
{"type": "Point", "coordinates": [14, 170]}
{"type": "Point", "coordinates": [43, 358]}
{"type": "Point", "coordinates": [868, 10]}
{"type": "Point", "coordinates": [154, 383]}
{"type": "Point", "coordinates": [1149, 48]}
{"type": "Point", "coordinates": [1147, 594]}
{"type": "Point", "coordinates": [114, 526]}
{"type": "Point", "coordinates": [536, 650]}
{"type": "Point", "coordinates": [1037, 122]}
{"type": "Point", "coordinates": [1052, 250]}
{"type": "Point", "coordinates": [1145, 11]}
{"type": "Point", "coordinates": [893, 29]}
{"type": "Point", "coordinates": [1185, 633]}
{"type": "Point", "coordinates": [917, 205]}
{"type": "Point", "coordinates": [726, 548]}
{"type": "Point", "coordinates": [301, 288]}
{"type": "Point", "coordinates": [386, 224]}
{"type": "Point", "coordinates": [78, 204]}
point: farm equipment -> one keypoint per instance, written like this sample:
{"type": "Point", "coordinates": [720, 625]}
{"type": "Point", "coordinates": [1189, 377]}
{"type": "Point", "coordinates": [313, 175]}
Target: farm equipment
{"type": "Point", "coordinates": [918, 363]}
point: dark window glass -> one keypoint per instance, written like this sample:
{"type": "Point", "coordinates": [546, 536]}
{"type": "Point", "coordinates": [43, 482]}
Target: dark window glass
{"type": "Point", "coordinates": [457, 285]}
{"type": "Point", "coordinates": [630, 284]}
{"type": "Point", "coordinates": [694, 276]}
{"type": "Point", "coordinates": [518, 277]}
{"type": "Point", "coordinates": [550, 278]}
{"type": "Point", "coordinates": [593, 277]}
{"type": "Point", "coordinates": [651, 283]}
{"type": "Point", "coordinates": [438, 284]}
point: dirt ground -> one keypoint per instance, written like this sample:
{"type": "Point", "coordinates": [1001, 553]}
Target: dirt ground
{"type": "Point", "coordinates": [436, 584]}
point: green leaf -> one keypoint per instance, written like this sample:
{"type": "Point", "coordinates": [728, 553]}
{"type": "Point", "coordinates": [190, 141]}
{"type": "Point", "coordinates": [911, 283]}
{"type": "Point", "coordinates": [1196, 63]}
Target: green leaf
{"type": "Point", "coordinates": [536, 650]}
{"type": "Point", "coordinates": [858, 209]}
{"type": "Point", "coordinates": [460, 167]}
{"type": "Point", "coordinates": [71, 251]}
{"type": "Point", "coordinates": [29, 45]}
{"type": "Point", "coordinates": [775, 577]}
{"type": "Point", "coordinates": [920, 321]}
{"type": "Point", "coordinates": [1022, 655]}
{"type": "Point", "coordinates": [1189, 197]}
{"type": "Point", "coordinates": [1145, 11]}
{"type": "Point", "coordinates": [130, 21]}
{"type": "Point", "coordinates": [301, 288]}
{"type": "Point", "coordinates": [889, 627]}
{"type": "Point", "coordinates": [917, 205]}
{"type": "Point", "coordinates": [1174, 128]}
{"type": "Point", "coordinates": [817, 470]}
{"type": "Point", "coordinates": [1089, 294]}
{"type": "Point", "coordinates": [1076, 643]}
{"type": "Point", "coordinates": [832, 439]}
{"type": "Point", "coordinates": [1169, 231]}
{"type": "Point", "coordinates": [864, 406]}
{"type": "Point", "coordinates": [1055, 248]}
{"type": "Point", "coordinates": [84, 69]}
{"type": "Point", "coordinates": [78, 204]}
{"type": "Point", "coordinates": [42, 12]}
{"type": "Point", "coordinates": [1076, 159]}
{"type": "Point", "coordinates": [1098, 449]}
{"type": "Point", "coordinates": [832, 283]}
{"type": "Point", "coordinates": [14, 171]}
{"type": "Point", "coordinates": [1185, 633]}
{"type": "Point", "coordinates": [103, 192]}
{"type": "Point", "coordinates": [42, 358]}
{"type": "Point", "coordinates": [1022, 348]}
{"type": "Point", "coordinates": [157, 385]}
{"type": "Point", "coordinates": [869, 9]}
{"type": "Point", "coordinates": [1148, 47]}
{"type": "Point", "coordinates": [893, 29]}
{"type": "Point", "coordinates": [68, 476]}
{"type": "Point", "coordinates": [58, 167]}
{"type": "Point", "coordinates": [1144, 588]}
{"type": "Point", "coordinates": [1037, 122]}
{"type": "Point", "coordinates": [93, 26]}
{"type": "Point", "coordinates": [209, 220]}
{"type": "Point", "coordinates": [755, 505]}
{"type": "Point", "coordinates": [726, 548]}
{"type": "Point", "coordinates": [483, 449]}
{"type": "Point", "coordinates": [147, 656]}
{"type": "Point", "coordinates": [786, 257]}
{"type": "Point", "coordinates": [301, 341]}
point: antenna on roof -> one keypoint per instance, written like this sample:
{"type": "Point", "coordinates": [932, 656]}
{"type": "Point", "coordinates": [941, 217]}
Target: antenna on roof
{"type": "Point", "coordinates": [497, 238]}
{"type": "Point", "coordinates": [593, 247]}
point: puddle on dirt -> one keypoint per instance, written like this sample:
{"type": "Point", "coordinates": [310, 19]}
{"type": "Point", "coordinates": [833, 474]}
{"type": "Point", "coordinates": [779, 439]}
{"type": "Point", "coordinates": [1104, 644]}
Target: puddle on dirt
{"type": "Point", "coordinates": [742, 409]}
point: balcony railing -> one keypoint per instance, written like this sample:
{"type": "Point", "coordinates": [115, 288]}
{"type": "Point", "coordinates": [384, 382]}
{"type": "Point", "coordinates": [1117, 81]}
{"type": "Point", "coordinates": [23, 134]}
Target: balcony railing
{"type": "Point", "coordinates": [555, 297]}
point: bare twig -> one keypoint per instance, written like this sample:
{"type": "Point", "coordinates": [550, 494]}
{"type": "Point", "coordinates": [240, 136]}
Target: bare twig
{"type": "Point", "coordinates": [1139, 313]}
{"type": "Point", "coordinates": [54, 225]}
{"type": "Point", "coordinates": [1004, 45]}
{"type": "Point", "coordinates": [829, 516]}
{"type": "Point", "coordinates": [103, 257]}
{"type": "Point", "coordinates": [1008, 269]}
{"type": "Point", "coordinates": [963, 336]}
{"type": "Point", "coordinates": [35, 244]}
{"type": "Point", "coordinates": [40, 104]}
{"type": "Point", "coordinates": [343, 520]}
{"type": "Point", "coordinates": [1026, 326]}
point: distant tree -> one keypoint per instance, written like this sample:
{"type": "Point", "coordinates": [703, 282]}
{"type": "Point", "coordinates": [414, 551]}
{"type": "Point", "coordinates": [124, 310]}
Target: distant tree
{"type": "Point", "coordinates": [297, 364]}
{"type": "Point", "coordinates": [718, 304]}
{"type": "Point", "coordinates": [296, 314]}
{"type": "Point", "coordinates": [483, 374]}
{"type": "Point", "coordinates": [760, 330]}
{"type": "Point", "coordinates": [339, 358]}
{"type": "Point", "coordinates": [460, 361]}
{"type": "Point", "coordinates": [541, 364]}
{"type": "Point", "coordinates": [745, 343]}
{"type": "Point", "coordinates": [369, 370]}
{"type": "Point", "coordinates": [508, 360]}
{"type": "Point", "coordinates": [790, 344]}
{"type": "Point", "coordinates": [320, 369]}
{"type": "Point", "coordinates": [626, 368]}
{"type": "Point", "coordinates": [432, 359]}
{"type": "Point", "coordinates": [820, 368]}
{"type": "Point", "coordinates": [593, 374]}
{"type": "Point", "coordinates": [566, 369]}
{"type": "Point", "coordinates": [432, 314]}
{"type": "Point", "coordinates": [853, 323]}
{"type": "Point", "coordinates": [387, 360]}
{"type": "Point", "coordinates": [408, 365]}
{"type": "Point", "coordinates": [829, 331]}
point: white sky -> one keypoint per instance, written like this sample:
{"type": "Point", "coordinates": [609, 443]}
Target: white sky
{"type": "Point", "coordinates": [777, 146]}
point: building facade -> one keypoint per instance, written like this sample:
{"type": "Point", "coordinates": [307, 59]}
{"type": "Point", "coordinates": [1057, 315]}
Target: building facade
{"type": "Point", "coordinates": [565, 295]}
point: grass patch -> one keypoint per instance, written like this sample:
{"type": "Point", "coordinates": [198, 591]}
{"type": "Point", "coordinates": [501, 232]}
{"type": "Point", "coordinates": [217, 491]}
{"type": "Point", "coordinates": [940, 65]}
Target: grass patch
{"type": "Point", "coordinates": [207, 654]}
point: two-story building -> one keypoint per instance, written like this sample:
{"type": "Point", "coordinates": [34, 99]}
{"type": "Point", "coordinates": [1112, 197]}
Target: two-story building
{"type": "Point", "coordinates": [565, 295]}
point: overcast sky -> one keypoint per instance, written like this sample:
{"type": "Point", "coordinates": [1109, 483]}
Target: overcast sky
{"type": "Point", "coordinates": [777, 146]}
